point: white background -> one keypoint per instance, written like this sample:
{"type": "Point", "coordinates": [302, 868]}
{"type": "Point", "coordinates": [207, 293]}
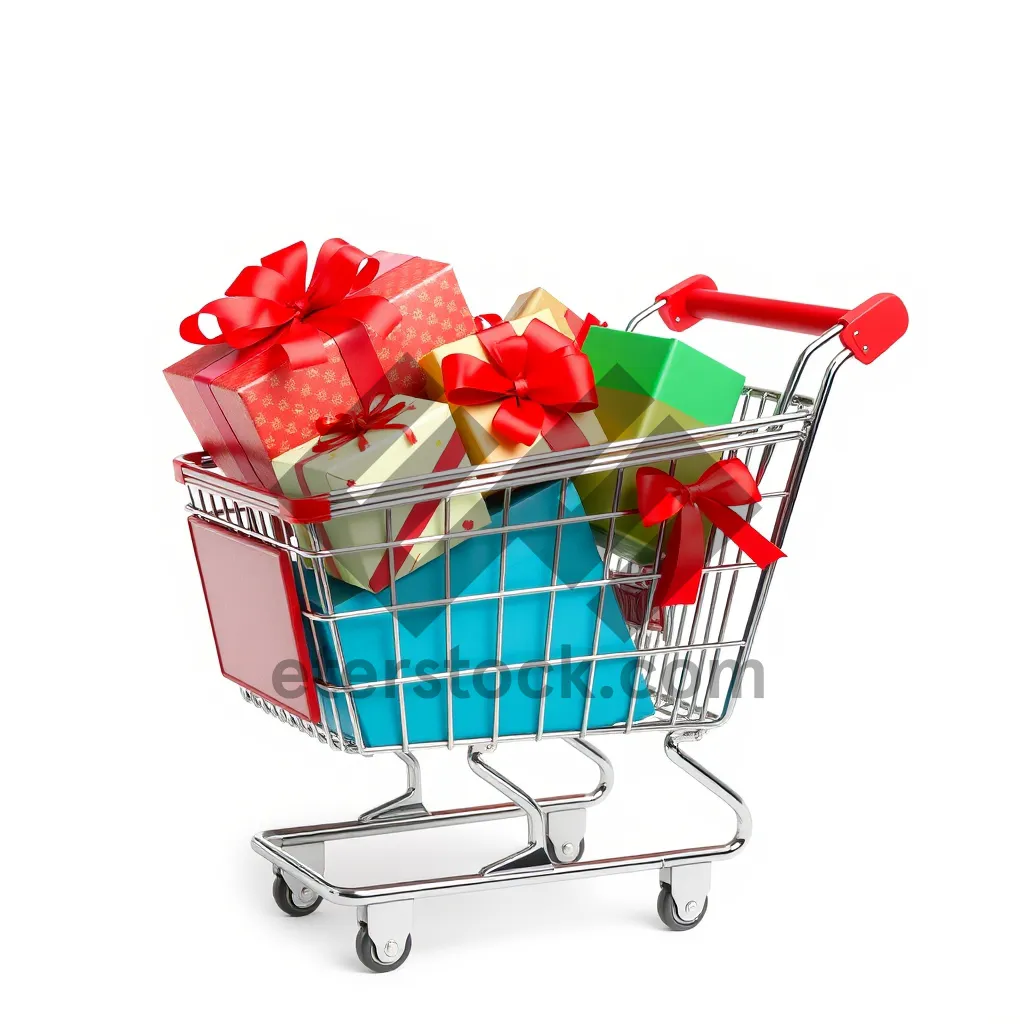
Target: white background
{"type": "Point", "coordinates": [815, 152]}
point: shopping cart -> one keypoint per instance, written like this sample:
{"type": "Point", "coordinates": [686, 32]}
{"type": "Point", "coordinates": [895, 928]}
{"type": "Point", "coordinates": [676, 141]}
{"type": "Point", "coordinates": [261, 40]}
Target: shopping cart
{"type": "Point", "coordinates": [690, 660]}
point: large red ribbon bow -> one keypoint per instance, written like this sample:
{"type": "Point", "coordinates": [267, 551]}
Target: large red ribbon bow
{"type": "Point", "coordinates": [271, 303]}
{"type": "Point", "coordinates": [340, 428]}
{"type": "Point", "coordinates": [661, 497]}
{"type": "Point", "coordinates": [539, 377]}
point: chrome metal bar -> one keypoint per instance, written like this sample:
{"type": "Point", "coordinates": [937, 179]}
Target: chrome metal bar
{"type": "Point", "coordinates": [450, 709]}
{"type": "Point", "coordinates": [533, 855]}
{"type": "Point", "coordinates": [598, 624]}
{"type": "Point", "coordinates": [410, 803]}
{"type": "Point", "coordinates": [782, 524]}
{"type": "Point", "coordinates": [730, 596]}
{"type": "Point", "coordinates": [389, 525]}
{"type": "Point", "coordinates": [660, 722]}
{"type": "Point", "coordinates": [522, 666]}
{"type": "Point", "coordinates": [549, 629]}
{"type": "Point", "coordinates": [744, 821]}
{"type": "Point", "coordinates": [453, 884]}
{"type": "Point", "coordinates": [323, 586]}
{"type": "Point", "coordinates": [640, 317]}
{"type": "Point", "coordinates": [646, 620]}
{"type": "Point", "coordinates": [534, 468]}
{"type": "Point", "coordinates": [506, 502]}
{"type": "Point", "coordinates": [274, 845]}
{"type": "Point", "coordinates": [690, 646]}
{"type": "Point", "coordinates": [307, 608]}
{"type": "Point", "coordinates": [323, 553]}
{"type": "Point", "coordinates": [789, 390]}
{"type": "Point", "coordinates": [607, 773]}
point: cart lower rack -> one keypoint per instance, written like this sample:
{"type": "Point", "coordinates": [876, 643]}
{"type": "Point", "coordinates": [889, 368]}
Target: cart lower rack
{"type": "Point", "coordinates": [681, 671]}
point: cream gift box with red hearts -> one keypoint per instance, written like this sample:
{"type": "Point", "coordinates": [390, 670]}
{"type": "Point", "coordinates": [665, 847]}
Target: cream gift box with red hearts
{"type": "Point", "coordinates": [405, 438]}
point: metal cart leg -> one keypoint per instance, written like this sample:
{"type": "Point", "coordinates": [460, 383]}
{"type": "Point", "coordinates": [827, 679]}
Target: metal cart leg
{"type": "Point", "coordinates": [409, 803]}
{"type": "Point", "coordinates": [534, 854]}
{"type": "Point", "coordinates": [565, 826]}
{"type": "Point", "coordinates": [554, 825]}
{"type": "Point", "coordinates": [683, 900]}
{"type": "Point", "coordinates": [553, 836]}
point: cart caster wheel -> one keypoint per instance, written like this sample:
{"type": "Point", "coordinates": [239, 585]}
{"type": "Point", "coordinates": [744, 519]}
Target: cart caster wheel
{"type": "Point", "coordinates": [578, 856]}
{"type": "Point", "coordinates": [670, 915]}
{"type": "Point", "coordinates": [289, 904]}
{"type": "Point", "coordinates": [367, 953]}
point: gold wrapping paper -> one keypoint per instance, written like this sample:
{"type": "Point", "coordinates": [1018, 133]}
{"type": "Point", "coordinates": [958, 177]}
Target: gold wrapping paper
{"type": "Point", "coordinates": [474, 421]}
{"type": "Point", "coordinates": [531, 303]}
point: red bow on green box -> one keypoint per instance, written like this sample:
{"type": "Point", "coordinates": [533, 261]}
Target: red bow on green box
{"type": "Point", "coordinates": [270, 304]}
{"type": "Point", "coordinates": [662, 497]}
{"type": "Point", "coordinates": [539, 377]}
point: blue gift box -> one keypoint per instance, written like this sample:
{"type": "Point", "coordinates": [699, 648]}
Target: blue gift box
{"type": "Point", "coordinates": [368, 643]}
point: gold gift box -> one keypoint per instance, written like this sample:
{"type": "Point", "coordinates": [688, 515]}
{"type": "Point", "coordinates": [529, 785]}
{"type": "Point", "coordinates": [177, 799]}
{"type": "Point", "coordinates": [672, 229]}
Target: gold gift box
{"type": "Point", "coordinates": [474, 421]}
{"type": "Point", "coordinates": [533, 302]}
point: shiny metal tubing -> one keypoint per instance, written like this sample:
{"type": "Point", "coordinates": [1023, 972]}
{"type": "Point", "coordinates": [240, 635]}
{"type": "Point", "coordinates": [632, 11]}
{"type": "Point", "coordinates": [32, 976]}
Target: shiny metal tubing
{"type": "Point", "coordinates": [322, 553]}
{"type": "Point", "coordinates": [274, 844]}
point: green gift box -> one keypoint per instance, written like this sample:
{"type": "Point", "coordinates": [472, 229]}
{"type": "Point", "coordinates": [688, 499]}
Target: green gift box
{"type": "Point", "coordinates": [649, 385]}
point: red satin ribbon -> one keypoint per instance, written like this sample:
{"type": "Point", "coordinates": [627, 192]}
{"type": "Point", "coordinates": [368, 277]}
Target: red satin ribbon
{"type": "Point", "coordinates": [451, 457]}
{"type": "Point", "coordinates": [419, 516]}
{"type": "Point", "coordinates": [538, 377]}
{"type": "Point", "coordinates": [661, 497]}
{"type": "Point", "coordinates": [271, 305]}
{"type": "Point", "coordinates": [580, 327]}
{"type": "Point", "coordinates": [340, 428]}
{"type": "Point", "coordinates": [485, 320]}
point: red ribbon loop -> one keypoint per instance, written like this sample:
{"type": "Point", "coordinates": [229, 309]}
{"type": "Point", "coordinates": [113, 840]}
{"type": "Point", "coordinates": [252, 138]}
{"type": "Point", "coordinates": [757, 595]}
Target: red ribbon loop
{"type": "Point", "coordinates": [338, 429]}
{"type": "Point", "coordinates": [539, 377]}
{"type": "Point", "coordinates": [580, 327]}
{"type": "Point", "coordinates": [270, 304]}
{"type": "Point", "coordinates": [485, 320]}
{"type": "Point", "coordinates": [661, 497]}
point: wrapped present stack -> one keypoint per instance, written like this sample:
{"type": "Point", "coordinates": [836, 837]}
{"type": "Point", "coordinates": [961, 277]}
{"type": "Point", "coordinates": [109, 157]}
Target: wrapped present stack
{"type": "Point", "coordinates": [289, 354]}
{"type": "Point", "coordinates": [372, 370]}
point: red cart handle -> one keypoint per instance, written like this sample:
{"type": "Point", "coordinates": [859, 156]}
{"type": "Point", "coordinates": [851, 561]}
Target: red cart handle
{"type": "Point", "coordinates": [868, 329]}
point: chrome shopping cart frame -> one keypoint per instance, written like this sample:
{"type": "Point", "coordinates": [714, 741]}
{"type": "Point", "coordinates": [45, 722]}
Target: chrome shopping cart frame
{"type": "Point", "coordinates": [685, 654]}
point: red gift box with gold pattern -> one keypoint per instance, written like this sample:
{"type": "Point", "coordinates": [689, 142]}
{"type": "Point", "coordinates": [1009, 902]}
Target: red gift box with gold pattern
{"type": "Point", "coordinates": [289, 352]}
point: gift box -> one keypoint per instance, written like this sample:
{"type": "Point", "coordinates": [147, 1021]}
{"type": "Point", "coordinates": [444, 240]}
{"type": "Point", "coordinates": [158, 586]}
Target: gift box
{"type": "Point", "coordinates": [292, 353]}
{"type": "Point", "coordinates": [510, 398]}
{"type": "Point", "coordinates": [531, 303]}
{"type": "Point", "coordinates": [398, 438]}
{"type": "Point", "coordinates": [633, 594]}
{"type": "Point", "coordinates": [648, 385]}
{"type": "Point", "coordinates": [368, 641]}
